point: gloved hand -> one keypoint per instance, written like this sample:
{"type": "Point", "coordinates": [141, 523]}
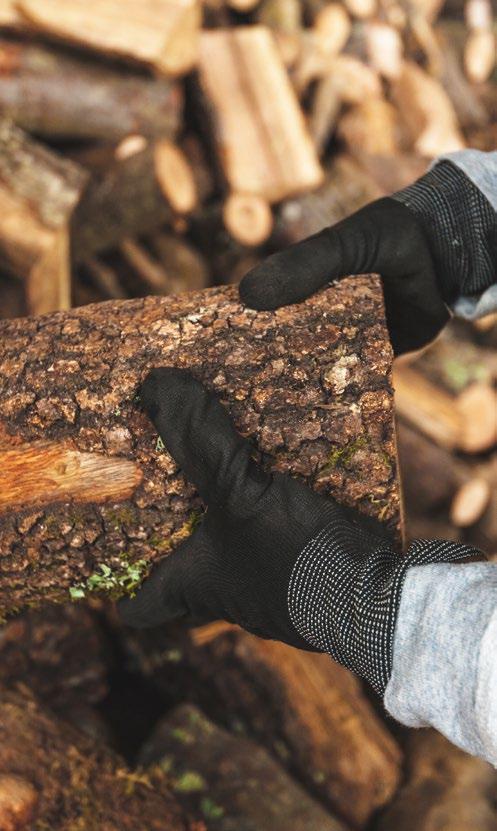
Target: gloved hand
{"type": "Point", "coordinates": [270, 554]}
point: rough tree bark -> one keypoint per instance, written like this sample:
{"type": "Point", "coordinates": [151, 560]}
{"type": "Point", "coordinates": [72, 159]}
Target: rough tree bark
{"type": "Point", "coordinates": [84, 483]}
{"type": "Point", "coordinates": [53, 777]}
{"type": "Point", "coordinates": [229, 780]}
{"type": "Point", "coordinates": [50, 93]}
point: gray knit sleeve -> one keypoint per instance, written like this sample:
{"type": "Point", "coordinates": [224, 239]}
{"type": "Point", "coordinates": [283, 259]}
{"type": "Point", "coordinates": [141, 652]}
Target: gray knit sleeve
{"type": "Point", "coordinates": [444, 669]}
{"type": "Point", "coordinates": [457, 203]}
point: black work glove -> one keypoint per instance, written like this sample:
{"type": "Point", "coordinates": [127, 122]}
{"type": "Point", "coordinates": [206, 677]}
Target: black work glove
{"type": "Point", "coordinates": [431, 243]}
{"type": "Point", "coordinates": [270, 554]}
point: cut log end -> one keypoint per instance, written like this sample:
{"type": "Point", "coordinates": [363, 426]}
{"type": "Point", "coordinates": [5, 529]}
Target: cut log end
{"type": "Point", "coordinates": [175, 177]}
{"type": "Point", "coordinates": [248, 218]}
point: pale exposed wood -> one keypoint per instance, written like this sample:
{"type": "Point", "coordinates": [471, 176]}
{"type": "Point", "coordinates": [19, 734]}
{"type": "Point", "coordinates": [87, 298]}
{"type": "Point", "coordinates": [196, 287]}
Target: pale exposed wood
{"type": "Point", "coordinates": [243, 6]}
{"type": "Point", "coordinates": [129, 146]}
{"type": "Point", "coordinates": [175, 177]}
{"type": "Point", "coordinates": [332, 26]}
{"type": "Point", "coordinates": [370, 127]}
{"type": "Point", "coordinates": [477, 406]}
{"type": "Point", "coordinates": [9, 16]}
{"type": "Point", "coordinates": [38, 193]}
{"type": "Point", "coordinates": [162, 34]}
{"type": "Point", "coordinates": [248, 218]}
{"type": "Point", "coordinates": [18, 802]}
{"type": "Point", "coordinates": [258, 128]}
{"type": "Point", "coordinates": [385, 49]}
{"type": "Point", "coordinates": [469, 502]}
{"type": "Point", "coordinates": [427, 406]}
{"type": "Point", "coordinates": [361, 8]}
{"type": "Point", "coordinates": [480, 55]}
{"type": "Point", "coordinates": [427, 112]}
{"type": "Point", "coordinates": [45, 472]}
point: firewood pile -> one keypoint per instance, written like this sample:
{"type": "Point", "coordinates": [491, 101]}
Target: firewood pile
{"type": "Point", "coordinates": [155, 148]}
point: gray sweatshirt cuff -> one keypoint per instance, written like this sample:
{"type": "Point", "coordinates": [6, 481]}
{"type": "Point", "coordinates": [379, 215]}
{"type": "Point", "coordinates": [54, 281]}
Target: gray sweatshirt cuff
{"type": "Point", "coordinates": [444, 655]}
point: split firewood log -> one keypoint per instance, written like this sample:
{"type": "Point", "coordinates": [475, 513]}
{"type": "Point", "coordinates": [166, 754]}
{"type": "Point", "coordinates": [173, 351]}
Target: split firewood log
{"type": "Point", "coordinates": [228, 780]}
{"type": "Point", "coordinates": [50, 93]}
{"type": "Point", "coordinates": [446, 790]}
{"type": "Point", "coordinates": [53, 776]}
{"type": "Point", "coordinates": [89, 498]}
{"type": "Point", "coordinates": [252, 116]}
{"type": "Point", "coordinates": [38, 194]}
{"type": "Point", "coordinates": [134, 195]}
{"type": "Point", "coordinates": [161, 34]}
{"type": "Point", "coordinates": [303, 708]}
{"type": "Point", "coordinates": [427, 112]}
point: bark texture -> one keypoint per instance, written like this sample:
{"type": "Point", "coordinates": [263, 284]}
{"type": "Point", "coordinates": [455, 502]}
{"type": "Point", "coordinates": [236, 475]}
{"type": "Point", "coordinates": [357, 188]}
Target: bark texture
{"type": "Point", "coordinates": [228, 780]}
{"type": "Point", "coordinates": [52, 778]}
{"type": "Point", "coordinates": [50, 93]}
{"type": "Point", "coordinates": [101, 499]}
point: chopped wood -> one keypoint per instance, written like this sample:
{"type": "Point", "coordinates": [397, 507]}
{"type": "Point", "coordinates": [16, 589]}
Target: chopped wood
{"type": "Point", "coordinates": [246, 785]}
{"type": "Point", "coordinates": [283, 16]}
{"type": "Point", "coordinates": [427, 112]}
{"type": "Point", "coordinates": [151, 272]}
{"type": "Point", "coordinates": [347, 188]}
{"type": "Point", "coordinates": [59, 652]}
{"type": "Point", "coordinates": [470, 109]}
{"type": "Point", "coordinates": [332, 26]}
{"type": "Point", "coordinates": [477, 407]}
{"type": "Point", "coordinates": [470, 502]}
{"type": "Point", "coordinates": [185, 268]}
{"type": "Point", "coordinates": [132, 196]}
{"type": "Point", "coordinates": [467, 422]}
{"type": "Point", "coordinates": [162, 34]}
{"type": "Point", "coordinates": [385, 49]}
{"type": "Point", "coordinates": [480, 55]}
{"type": "Point", "coordinates": [445, 789]}
{"type": "Point", "coordinates": [46, 91]}
{"type": "Point", "coordinates": [53, 776]}
{"type": "Point", "coordinates": [248, 218]}
{"type": "Point", "coordinates": [38, 193]}
{"type": "Point", "coordinates": [67, 411]}
{"type": "Point", "coordinates": [256, 124]}
{"type": "Point", "coordinates": [361, 8]}
{"type": "Point", "coordinates": [312, 711]}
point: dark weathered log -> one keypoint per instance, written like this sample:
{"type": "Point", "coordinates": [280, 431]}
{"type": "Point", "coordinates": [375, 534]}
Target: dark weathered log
{"type": "Point", "coordinates": [38, 192]}
{"type": "Point", "coordinates": [228, 780]}
{"type": "Point", "coordinates": [48, 92]}
{"type": "Point", "coordinates": [347, 188]}
{"type": "Point", "coordinates": [133, 196]}
{"type": "Point", "coordinates": [84, 484]}
{"type": "Point", "coordinates": [304, 708]}
{"type": "Point", "coordinates": [446, 790]}
{"type": "Point", "coordinates": [53, 777]}
{"type": "Point", "coordinates": [60, 653]}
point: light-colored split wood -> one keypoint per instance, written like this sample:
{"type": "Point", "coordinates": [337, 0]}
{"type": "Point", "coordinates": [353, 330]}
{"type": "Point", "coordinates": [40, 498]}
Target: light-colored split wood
{"type": "Point", "coordinates": [175, 177]}
{"type": "Point", "coordinates": [248, 218]}
{"type": "Point", "coordinates": [48, 472]}
{"type": "Point", "coordinates": [162, 34]}
{"type": "Point", "coordinates": [263, 144]}
{"type": "Point", "coordinates": [470, 502]}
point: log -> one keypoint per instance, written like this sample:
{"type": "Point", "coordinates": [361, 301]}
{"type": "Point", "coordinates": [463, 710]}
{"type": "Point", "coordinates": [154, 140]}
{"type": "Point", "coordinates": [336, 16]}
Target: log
{"type": "Point", "coordinates": [52, 776]}
{"type": "Point", "coordinates": [160, 34]}
{"type": "Point", "coordinates": [89, 498]}
{"type": "Point", "coordinates": [186, 269]}
{"type": "Point", "coordinates": [53, 94]}
{"type": "Point", "coordinates": [347, 188]}
{"type": "Point", "coordinates": [427, 112]}
{"type": "Point", "coordinates": [38, 193]}
{"type": "Point", "coordinates": [60, 653]}
{"type": "Point", "coordinates": [307, 711]}
{"type": "Point", "coordinates": [135, 195]}
{"type": "Point", "coordinates": [228, 780]}
{"type": "Point", "coordinates": [446, 790]}
{"type": "Point", "coordinates": [248, 218]}
{"type": "Point", "coordinates": [252, 115]}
